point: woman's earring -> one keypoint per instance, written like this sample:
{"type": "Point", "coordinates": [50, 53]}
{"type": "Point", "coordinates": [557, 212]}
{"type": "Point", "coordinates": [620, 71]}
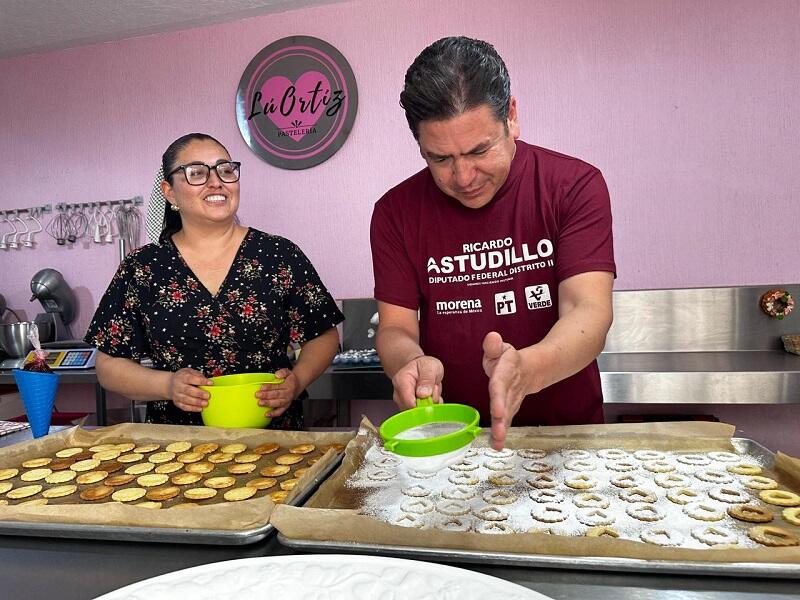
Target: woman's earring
{"type": "Point", "coordinates": [174, 207]}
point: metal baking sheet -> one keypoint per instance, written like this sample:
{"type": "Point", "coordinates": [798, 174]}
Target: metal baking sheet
{"type": "Point", "coordinates": [597, 563]}
{"type": "Point", "coordinates": [160, 534]}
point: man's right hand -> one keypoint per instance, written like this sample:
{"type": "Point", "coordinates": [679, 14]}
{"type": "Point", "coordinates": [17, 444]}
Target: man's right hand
{"type": "Point", "coordinates": [185, 394]}
{"type": "Point", "coordinates": [419, 378]}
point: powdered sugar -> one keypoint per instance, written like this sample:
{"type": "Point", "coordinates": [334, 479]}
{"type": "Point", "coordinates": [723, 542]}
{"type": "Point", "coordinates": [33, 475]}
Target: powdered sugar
{"type": "Point", "coordinates": [463, 496]}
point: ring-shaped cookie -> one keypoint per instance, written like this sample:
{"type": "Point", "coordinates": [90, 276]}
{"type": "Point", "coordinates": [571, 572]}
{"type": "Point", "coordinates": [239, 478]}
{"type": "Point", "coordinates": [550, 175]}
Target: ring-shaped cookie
{"type": "Point", "coordinates": [546, 496]}
{"type": "Point", "coordinates": [672, 480]}
{"type": "Point", "coordinates": [695, 460]}
{"type": "Point", "coordinates": [612, 454]}
{"type": "Point", "coordinates": [579, 464]}
{"type": "Point", "coordinates": [576, 453]}
{"type": "Point", "coordinates": [535, 466]}
{"type": "Point", "coordinates": [779, 497]}
{"type": "Point", "coordinates": [704, 511]}
{"type": "Point", "coordinates": [465, 465]}
{"type": "Point", "coordinates": [459, 492]}
{"type": "Point", "coordinates": [532, 453]}
{"type": "Point", "coordinates": [713, 535]}
{"type": "Point", "coordinates": [729, 495]}
{"type": "Point", "coordinates": [743, 469]}
{"type": "Point", "coordinates": [542, 481]}
{"type": "Point", "coordinates": [637, 495]}
{"type": "Point", "coordinates": [452, 508]}
{"type": "Point", "coordinates": [590, 500]}
{"type": "Point", "coordinates": [622, 465]}
{"type": "Point", "coordinates": [649, 455]}
{"type": "Point", "coordinates": [494, 527]}
{"type": "Point", "coordinates": [661, 537]}
{"type": "Point", "coordinates": [659, 466]}
{"type": "Point", "coordinates": [499, 496]}
{"type": "Point", "coordinates": [772, 536]}
{"type": "Point", "coordinates": [581, 481]}
{"type": "Point", "coordinates": [759, 482]}
{"type": "Point", "coordinates": [791, 515]}
{"type": "Point", "coordinates": [683, 495]}
{"type": "Point", "coordinates": [602, 531]}
{"type": "Point", "coordinates": [550, 513]}
{"type": "Point", "coordinates": [628, 481]}
{"type": "Point", "coordinates": [750, 513]}
{"type": "Point", "coordinates": [453, 524]}
{"type": "Point", "coordinates": [504, 453]}
{"type": "Point", "coordinates": [713, 476]}
{"type": "Point", "coordinates": [594, 516]}
{"type": "Point", "coordinates": [645, 512]}
{"type": "Point", "coordinates": [721, 456]}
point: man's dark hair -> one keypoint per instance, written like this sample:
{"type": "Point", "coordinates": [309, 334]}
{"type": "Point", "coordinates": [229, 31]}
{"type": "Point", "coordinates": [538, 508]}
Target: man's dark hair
{"type": "Point", "coordinates": [454, 75]}
{"type": "Point", "coordinates": [172, 219]}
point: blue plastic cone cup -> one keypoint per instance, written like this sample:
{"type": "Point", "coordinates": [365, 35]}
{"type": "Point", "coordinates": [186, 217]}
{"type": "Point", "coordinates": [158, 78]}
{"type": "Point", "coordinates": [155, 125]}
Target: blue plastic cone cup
{"type": "Point", "coordinates": [38, 391]}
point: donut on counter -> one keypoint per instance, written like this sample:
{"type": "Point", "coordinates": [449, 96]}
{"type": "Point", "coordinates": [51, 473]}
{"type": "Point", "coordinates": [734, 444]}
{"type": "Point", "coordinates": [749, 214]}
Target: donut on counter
{"type": "Point", "coordinates": [777, 303]}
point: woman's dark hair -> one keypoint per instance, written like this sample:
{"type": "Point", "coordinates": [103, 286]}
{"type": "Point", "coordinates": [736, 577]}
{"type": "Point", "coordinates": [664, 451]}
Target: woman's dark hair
{"type": "Point", "coordinates": [172, 219]}
{"type": "Point", "coordinates": [454, 75]}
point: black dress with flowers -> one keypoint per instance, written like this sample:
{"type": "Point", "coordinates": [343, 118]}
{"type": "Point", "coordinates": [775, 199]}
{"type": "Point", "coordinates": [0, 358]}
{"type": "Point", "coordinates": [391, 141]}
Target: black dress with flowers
{"type": "Point", "coordinates": [156, 307]}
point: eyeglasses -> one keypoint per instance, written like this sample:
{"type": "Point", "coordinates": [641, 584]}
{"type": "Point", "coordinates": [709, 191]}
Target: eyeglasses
{"type": "Point", "coordinates": [198, 173]}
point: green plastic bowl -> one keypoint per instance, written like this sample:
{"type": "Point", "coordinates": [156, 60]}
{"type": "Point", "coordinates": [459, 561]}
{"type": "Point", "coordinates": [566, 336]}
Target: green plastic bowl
{"type": "Point", "coordinates": [233, 403]}
{"type": "Point", "coordinates": [427, 412]}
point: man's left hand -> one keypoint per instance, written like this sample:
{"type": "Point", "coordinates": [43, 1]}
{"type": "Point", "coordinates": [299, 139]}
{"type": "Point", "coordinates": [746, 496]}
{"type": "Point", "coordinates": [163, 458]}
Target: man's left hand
{"type": "Point", "coordinates": [279, 396]}
{"type": "Point", "coordinates": [502, 363]}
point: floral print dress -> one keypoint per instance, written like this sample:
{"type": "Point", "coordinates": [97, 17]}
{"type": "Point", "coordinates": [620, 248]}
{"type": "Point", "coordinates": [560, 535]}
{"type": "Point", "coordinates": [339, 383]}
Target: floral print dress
{"type": "Point", "coordinates": [156, 307]}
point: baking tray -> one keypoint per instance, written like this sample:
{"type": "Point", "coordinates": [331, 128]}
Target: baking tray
{"type": "Point", "coordinates": [161, 534]}
{"type": "Point", "coordinates": [740, 569]}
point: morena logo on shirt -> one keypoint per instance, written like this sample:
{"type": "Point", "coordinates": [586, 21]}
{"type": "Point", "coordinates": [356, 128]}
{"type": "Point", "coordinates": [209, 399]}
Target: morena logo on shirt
{"type": "Point", "coordinates": [458, 307]}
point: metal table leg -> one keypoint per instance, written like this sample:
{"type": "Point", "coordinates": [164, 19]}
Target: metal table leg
{"type": "Point", "coordinates": [100, 404]}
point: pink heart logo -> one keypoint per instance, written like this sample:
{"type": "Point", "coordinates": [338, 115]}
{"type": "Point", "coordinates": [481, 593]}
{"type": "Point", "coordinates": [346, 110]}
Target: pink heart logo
{"type": "Point", "coordinates": [298, 105]}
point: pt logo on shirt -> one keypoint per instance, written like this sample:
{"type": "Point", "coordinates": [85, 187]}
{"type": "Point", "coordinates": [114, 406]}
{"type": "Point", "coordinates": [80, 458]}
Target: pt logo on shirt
{"type": "Point", "coordinates": [505, 303]}
{"type": "Point", "coordinates": [538, 296]}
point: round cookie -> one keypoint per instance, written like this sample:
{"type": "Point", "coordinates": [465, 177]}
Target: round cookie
{"type": "Point", "coordinates": [750, 513]}
{"type": "Point", "coordinates": [780, 497]}
{"type": "Point", "coordinates": [772, 536]}
{"type": "Point", "coordinates": [240, 493]}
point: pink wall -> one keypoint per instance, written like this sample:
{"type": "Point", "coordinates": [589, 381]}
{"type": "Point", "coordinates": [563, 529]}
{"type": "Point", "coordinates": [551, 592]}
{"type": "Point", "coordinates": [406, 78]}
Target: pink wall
{"type": "Point", "coordinates": [689, 109]}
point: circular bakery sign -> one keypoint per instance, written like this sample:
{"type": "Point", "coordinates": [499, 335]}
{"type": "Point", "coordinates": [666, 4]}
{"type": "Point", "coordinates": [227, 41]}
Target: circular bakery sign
{"type": "Point", "coordinates": [296, 102]}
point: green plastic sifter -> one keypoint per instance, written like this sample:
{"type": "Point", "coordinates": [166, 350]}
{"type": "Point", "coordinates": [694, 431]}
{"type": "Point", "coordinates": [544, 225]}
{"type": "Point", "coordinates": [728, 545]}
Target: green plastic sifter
{"type": "Point", "coordinates": [431, 430]}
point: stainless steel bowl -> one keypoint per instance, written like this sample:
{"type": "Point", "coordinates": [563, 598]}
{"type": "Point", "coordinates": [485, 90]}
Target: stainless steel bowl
{"type": "Point", "coordinates": [14, 337]}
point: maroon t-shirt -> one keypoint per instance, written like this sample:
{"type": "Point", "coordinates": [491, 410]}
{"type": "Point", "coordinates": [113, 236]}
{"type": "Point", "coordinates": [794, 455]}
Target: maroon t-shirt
{"type": "Point", "coordinates": [496, 268]}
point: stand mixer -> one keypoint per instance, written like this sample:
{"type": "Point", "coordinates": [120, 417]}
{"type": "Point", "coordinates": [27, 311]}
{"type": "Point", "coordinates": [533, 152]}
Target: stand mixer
{"type": "Point", "coordinates": [58, 301]}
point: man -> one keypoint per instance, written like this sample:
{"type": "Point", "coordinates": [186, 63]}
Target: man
{"type": "Point", "coordinates": [494, 265]}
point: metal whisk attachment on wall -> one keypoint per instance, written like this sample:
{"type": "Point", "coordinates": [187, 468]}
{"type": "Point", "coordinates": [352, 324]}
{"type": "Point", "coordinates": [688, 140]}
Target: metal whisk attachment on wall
{"type": "Point", "coordinates": [59, 226]}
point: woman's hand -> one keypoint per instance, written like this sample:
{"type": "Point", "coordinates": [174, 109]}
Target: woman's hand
{"type": "Point", "coordinates": [185, 394]}
{"type": "Point", "coordinates": [278, 396]}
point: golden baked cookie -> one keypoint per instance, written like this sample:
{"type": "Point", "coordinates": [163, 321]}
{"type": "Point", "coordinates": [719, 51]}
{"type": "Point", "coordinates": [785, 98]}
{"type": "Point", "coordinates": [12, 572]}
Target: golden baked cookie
{"type": "Point", "coordinates": [601, 531]}
{"type": "Point", "coordinates": [60, 464]}
{"type": "Point", "coordinates": [744, 469]}
{"type": "Point", "coordinates": [682, 495]}
{"type": "Point", "coordinates": [219, 457]}
{"type": "Point", "coordinates": [190, 457]}
{"type": "Point", "coordinates": [24, 492]}
{"type": "Point", "coordinates": [5, 486]}
{"type": "Point", "coordinates": [186, 478]}
{"type": "Point", "coordinates": [302, 449]}
{"type": "Point", "coordinates": [121, 479]}
{"type": "Point", "coordinates": [112, 467]}
{"type": "Point", "coordinates": [206, 448]}
{"type": "Point", "coordinates": [233, 448]}
{"type": "Point", "coordinates": [339, 447]}
{"type": "Point", "coordinates": [750, 513]}
{"type": "Point", "coordinates": [581, 481]}
{"type": "Point", "coordinates": [97, 448]}
{"type": "Point", "coordinates": [34, 502]}
{"type": "Point", "coordinates": [247, 457]}
{"type": "Point", "coordinates": [219, 483]}
{"type": "Point", "coordinates": [152, 480]}
{"type": "Point", "coordinates": [290, 484]}
{"type": "Point", "coordinates": [148, 504]}
{"type": "Point", "coordinates": [780, 497]}
{"type": "Point", "coordinates": [130, 458]}
{"type": "Point", "coordinates": [125, 446]}
{"type": "Point", "coordinates": [791, 515]}
{"type": "Point", "coordinates": [106, 455]}
{"type": "Point", "coordinates": [301, 471]}
{"type": "Point", "coordinates": [239, 493]}
{"type": "Point", "coordinates": [278, 497]}
{"type": "Point", "coordinates": [33, 463]}
{"type": "Point", "coordinates": [161, 457]}
{"type": "Point", "coordinates": [288, 459]}
{"type": "Point", "coordinates": [90, 477]}
{"type": "Point", "coordinates": [185, 505]}
{"type": "Point", "coordinates": [759, 482]}
{"type": "Point", "coordinates": [241, 469]}
{"type": "Point", "coordinates": [140, 468]}
{"type": "Point", "coordinates": [178, 447]}
{"type": "Point", "coordinates": [67, 452]}
{"type": "Point", "coordinates": [266, 448]}
{"type": "Point", "coordinates": [202, 467]}
{"type": "Point", "coordinates": [772, 536]}
{"type": "Point", "coordinates": [83, 455]}
{"type": "Point", "coordinates": [60, 491]}
{"type": "Point", "coordinates": [128, 494]}
{"type": "Point", "coordinates": [200, 493]}
{"type": "Point", "coordinates": [314, 460]}
{"type": "Point", "coordinates": [262, 483]}
{"type": "Point", "coordinates": [274, 470]}
{"type": "Point", "coordinates": [170, 467]}
{"type": "Point", "coordinates": [163, 493]}
{"type": "Point", "coordinates": [96, 493]}
{"type": "Point", "coordinates": [89, 464]}
{"type": "Point", "coordinates": [146, 448]}
{"type": "Point", "coordinates": [61, 476]}
{"type": "Point", "coordinates": [3, 502]}
{"type": "Point", "coordinates": [35, 474]}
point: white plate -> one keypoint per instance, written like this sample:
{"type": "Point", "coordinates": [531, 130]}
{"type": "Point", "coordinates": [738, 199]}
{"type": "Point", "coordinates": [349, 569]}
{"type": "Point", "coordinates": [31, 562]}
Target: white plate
{"type": "Point", "coordinates": [323, 576]}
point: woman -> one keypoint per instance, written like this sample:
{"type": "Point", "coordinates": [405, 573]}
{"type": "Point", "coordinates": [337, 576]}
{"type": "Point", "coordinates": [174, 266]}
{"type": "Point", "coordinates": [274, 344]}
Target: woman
{"type": "Point", "coordinates": [212, 298]}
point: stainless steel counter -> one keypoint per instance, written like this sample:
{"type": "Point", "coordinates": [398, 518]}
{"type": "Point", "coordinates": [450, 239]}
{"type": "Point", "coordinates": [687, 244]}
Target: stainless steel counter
{"type": "Point", "coordinates": [78, 570]}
